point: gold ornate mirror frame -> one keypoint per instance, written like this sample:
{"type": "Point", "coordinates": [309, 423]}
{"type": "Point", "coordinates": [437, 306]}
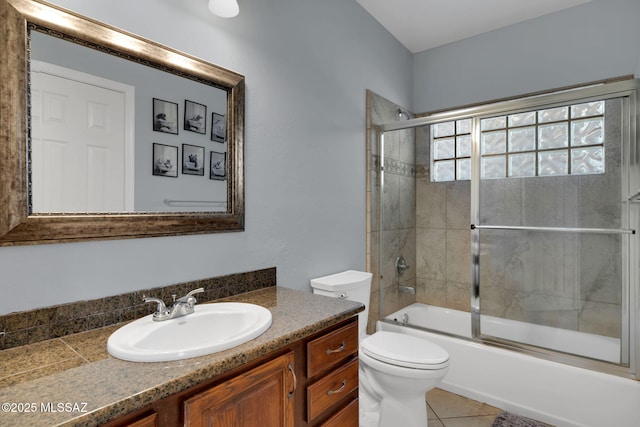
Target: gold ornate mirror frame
{"type": "Point", "coordinates": [17, 225]}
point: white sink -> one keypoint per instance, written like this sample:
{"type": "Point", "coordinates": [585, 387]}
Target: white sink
{"type": "Point", "coordinates": [210, 328]}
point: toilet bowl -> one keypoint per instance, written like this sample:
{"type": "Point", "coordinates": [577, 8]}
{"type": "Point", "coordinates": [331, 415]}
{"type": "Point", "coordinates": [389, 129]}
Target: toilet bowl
{"type": "Point", "coordinates": [396, 370]}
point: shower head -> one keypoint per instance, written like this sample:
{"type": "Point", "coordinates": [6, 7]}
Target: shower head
{"type": "Point", "coordinates": [402, 113]}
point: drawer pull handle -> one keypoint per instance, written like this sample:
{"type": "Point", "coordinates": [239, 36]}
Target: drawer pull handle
{"type": "Point", "coordinates": [295, 380]}
{"type": "Point", "coordinates": [337, 350]}
{"type": "Point", "coordinates": [338, 390]}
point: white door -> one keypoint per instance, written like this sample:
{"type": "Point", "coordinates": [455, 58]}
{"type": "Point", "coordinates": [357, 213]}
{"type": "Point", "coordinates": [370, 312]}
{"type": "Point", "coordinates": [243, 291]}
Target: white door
{"type": "Point", "coordinates": [80, 143]}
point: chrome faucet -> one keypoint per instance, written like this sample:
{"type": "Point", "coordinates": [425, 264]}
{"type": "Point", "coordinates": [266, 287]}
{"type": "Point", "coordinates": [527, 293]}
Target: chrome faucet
{"type": "Point", "coordinates": [180, 307]}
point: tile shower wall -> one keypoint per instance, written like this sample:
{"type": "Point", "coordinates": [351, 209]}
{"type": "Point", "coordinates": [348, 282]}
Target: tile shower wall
{"type": "Point", "coordinates": [571, 281]}
{"type": "Point", "coordinates": [567, 281]}
{"type": "Point", "coordinates": [443, 266]}
{"type": "Point", "coordinates": [399, 223]}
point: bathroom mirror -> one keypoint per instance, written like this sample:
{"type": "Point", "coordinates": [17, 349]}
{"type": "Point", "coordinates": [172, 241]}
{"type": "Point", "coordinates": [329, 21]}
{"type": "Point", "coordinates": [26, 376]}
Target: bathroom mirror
{"type": "Point", "coordinates": [185, 177]}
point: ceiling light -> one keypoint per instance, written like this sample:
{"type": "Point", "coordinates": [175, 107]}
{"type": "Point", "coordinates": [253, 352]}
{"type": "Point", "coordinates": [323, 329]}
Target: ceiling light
{"type": "Point", "coordinates": [224, 8]}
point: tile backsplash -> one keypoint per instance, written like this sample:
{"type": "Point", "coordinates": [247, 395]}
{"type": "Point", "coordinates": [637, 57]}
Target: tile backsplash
{"type": "Point", "coordinates": [28, 327]}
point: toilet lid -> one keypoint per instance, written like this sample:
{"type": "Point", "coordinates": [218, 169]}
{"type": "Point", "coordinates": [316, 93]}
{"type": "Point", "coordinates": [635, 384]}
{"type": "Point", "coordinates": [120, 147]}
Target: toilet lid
{"type": "Point", "coordinates": [404, 350]}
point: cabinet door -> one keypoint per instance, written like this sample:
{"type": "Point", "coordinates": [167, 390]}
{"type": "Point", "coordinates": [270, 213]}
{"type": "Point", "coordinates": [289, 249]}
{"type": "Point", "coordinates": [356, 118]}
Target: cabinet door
{"type": "Point", "coordinates": [261, 397]}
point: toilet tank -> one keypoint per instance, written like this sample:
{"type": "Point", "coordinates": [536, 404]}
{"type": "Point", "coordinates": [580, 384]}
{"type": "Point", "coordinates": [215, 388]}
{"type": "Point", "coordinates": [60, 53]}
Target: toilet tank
{"type": "Point", "coordinates": [352, 285]}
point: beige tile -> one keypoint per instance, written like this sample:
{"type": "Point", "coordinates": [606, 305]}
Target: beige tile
{"type": "Point", "coordinates": [458, 296]}
{"type": "Point", "coordinates": [495, 205]}
{"type": "Point", "coordinates": [394, 300]}
{"type": "Point", "coordinates": [396, 243]}
{"type": "Point", "coordinates": [600, 318]}
{"type": "Point", "coordinates": [448, 405]}
{"type": "Point", "coordinates": [480, 421]}
{"type": "Point", "coordinates": [407, 212]}
{"type": "Point", "coordinates": [459, 204]}
{"type": "Point", "coordinates": [431, 203]}
{"type": "Point", "coordinates": [458, 258]}
{"type": "Point", "coordinates": [600, 268]}
{"type": "Point", "coordinates": [493, 299]}
{"type": "Point", "coordinates": [430, 414]}
{"type": "Point", "coordinates": [541, 309]}
{"type": "Point", "coordinates": [431, 248]}
{"type": "Point", "coordinates": [435, 423]}
{"type": "Point", "coordinates": [433, 292]}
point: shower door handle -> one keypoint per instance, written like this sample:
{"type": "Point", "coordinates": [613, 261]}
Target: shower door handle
{"type": "Point", "coordinates": [635, 198]}
{"type": "Point", "coordinates": [555, 229]}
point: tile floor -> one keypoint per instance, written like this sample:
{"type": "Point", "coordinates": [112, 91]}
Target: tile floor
{"type": "Point", "coordinates": [446, 409]}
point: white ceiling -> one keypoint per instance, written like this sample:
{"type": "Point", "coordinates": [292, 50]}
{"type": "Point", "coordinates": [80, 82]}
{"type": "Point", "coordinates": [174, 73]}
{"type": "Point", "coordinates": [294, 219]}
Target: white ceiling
{"type": "Point", "coordinates": [424, 24]}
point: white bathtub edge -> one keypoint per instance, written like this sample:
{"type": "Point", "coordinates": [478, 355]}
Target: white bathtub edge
{"type": "Point", "coordinates": [551, 392]}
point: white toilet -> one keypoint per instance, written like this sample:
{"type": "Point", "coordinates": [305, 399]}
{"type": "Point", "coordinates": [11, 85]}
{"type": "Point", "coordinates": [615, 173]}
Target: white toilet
{"type": "Point", "coordinates": [396, 370]}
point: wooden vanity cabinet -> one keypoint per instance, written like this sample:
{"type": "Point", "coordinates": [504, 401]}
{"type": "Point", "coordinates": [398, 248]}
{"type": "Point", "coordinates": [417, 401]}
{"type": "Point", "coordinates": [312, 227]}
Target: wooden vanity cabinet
{"type": "Point", "coordinates": [261, 397]}
{"type": "Point", "coordinates": [147, 421]}
{"type": "Point", "coordinates": [311, 382]}
{"type": "Point", "coordinates": [332, 383]}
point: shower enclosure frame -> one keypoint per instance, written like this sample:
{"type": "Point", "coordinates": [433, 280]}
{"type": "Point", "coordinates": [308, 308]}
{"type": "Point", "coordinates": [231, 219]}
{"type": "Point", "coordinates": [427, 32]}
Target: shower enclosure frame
{"type": "Point", "coordinates": [628, 91]}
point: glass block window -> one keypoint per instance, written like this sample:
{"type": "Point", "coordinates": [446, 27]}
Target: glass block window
{"type": "Point", "coordinates": [451, 150]}
{"type": "Point", "coordinates": [567, 140]}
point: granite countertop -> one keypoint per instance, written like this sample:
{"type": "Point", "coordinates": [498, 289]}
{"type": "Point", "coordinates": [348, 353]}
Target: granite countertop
{"type": "Point", "coordinates": [73, 381]}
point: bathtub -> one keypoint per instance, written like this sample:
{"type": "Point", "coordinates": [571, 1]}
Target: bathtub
{"type": "Point", "coordinates": [552, 392]}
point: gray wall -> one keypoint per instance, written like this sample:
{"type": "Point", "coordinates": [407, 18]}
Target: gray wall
{"type": "Point", "coordinates": [307, 65]}
{"type": "Point", "coordinates": [597, 40]}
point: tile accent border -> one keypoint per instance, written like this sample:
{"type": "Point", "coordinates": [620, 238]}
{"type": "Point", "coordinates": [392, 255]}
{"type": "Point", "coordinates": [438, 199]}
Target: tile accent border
{"type": "Point", "coordinates": [28, 327]}
{"type": "Point", "coordinates": [393, 166]}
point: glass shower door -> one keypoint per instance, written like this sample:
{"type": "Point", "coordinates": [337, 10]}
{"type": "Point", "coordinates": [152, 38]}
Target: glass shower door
{"type": "Point", "coordinates": [397, 220]}
{"type": "Point", "coordinates": [551, 235]}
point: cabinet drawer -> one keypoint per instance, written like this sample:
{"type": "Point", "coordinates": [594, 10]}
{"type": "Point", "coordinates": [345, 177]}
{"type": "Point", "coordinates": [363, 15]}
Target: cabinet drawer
{"type": "Point", "coordinates": [331, 389]}
{"type": "Point", "coordinates": [347, 417]}
{"type": "Point", "coordinates": [148, 421]}
{"type": "Point", "coordinates": [331, 349]}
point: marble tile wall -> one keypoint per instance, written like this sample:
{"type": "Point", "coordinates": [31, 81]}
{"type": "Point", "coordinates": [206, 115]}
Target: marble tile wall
{"type": "Point", "coordinates": [443, 209]}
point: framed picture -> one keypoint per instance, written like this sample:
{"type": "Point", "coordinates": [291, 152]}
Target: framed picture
{"type": "Point", "coordinates": [192, 160]}
{"type": "Point", "coordinates": [218, 127]}
{"type": "Point", "coordinates": [218, 166]}
{"type": "Point", "coordinates": [165, 116]}
{"type": "Point", "coordinates": [195, 117]}
{"type": "Point", "coordinates": [165, 160]}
